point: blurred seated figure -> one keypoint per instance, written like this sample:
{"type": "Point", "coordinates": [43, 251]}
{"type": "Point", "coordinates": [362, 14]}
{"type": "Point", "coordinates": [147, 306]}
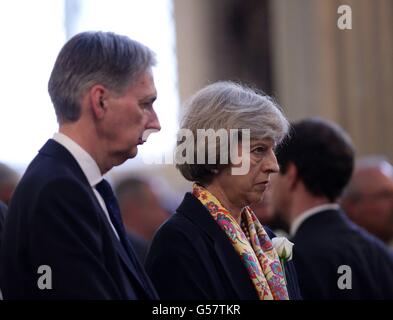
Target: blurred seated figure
{"type": "Point", "coordinates": [368, 199]}
{"type": "Point", "coordinates": [142, 212]}
{"type": "Point", "coordinates": [8, 181]}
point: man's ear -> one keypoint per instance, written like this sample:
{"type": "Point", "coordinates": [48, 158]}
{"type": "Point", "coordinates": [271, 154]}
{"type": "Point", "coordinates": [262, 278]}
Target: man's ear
{"type": "Point", "coordinates": [98, 95]}
{"type": "Point", "coordinates": [292, 175]}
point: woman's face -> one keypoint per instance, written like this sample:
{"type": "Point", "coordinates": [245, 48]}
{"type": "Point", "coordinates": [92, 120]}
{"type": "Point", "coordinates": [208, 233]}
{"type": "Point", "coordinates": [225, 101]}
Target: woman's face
{"type": "Point", "coordinates": [249, 188]}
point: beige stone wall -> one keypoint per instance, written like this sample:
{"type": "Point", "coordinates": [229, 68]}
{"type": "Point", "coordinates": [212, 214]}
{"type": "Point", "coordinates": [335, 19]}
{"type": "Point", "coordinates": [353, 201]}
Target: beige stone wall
{"type": "Point", "coordinates": [319, 70]}
{"type": "Point", "coordinates": [193, 37]}
{"type": "Point", "coordinates": [345, 76]}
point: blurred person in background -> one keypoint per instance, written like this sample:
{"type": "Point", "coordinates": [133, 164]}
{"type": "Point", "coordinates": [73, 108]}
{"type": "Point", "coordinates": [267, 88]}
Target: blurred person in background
{"type": "Point", "coordinates": [142, 212]}
{"type": "Point", "coordinates": [3, 212]}
{"type": "Point", "coordinates": [8, 181]}
{"type": "Point", "coordinates": [316, 162]}
{"type": "Point", "coordinates": [265, 214]}
{"type": "Point", "coordinates": [368, 199]}
{"type": "Point", "coordinates": [214, 247]}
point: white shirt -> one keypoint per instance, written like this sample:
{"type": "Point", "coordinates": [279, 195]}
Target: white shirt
{"type": "Point", "coordinates": [309, 213]}
{"type": "Point", "coordinates": [88, 166]}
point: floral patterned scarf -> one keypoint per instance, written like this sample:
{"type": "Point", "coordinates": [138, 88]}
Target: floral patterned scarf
{"type": "Point", "coordinates": [257, 254]}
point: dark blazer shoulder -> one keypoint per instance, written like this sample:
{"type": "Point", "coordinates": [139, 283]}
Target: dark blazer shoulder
{"type": "Point", "coordinates": [328, 240]}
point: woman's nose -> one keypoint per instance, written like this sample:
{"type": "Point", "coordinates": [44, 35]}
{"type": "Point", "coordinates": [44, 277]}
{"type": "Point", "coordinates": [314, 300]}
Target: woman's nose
{"type": "Point", "coordinates": [271, 164]}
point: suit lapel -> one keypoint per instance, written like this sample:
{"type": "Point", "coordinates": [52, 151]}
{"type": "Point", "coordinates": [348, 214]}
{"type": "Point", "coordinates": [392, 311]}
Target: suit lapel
{"type": "Point", "coordinates": [130, 259]}
{"type": "Point", "coordinates": [134, 269]}
{"type": "Point", "coordinates": [230, 260]}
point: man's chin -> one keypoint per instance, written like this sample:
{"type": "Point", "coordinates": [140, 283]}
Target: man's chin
{"type": "Point", "coordinates": [133, 152]}
{"type": "Point", "coordinates": [122, 157]}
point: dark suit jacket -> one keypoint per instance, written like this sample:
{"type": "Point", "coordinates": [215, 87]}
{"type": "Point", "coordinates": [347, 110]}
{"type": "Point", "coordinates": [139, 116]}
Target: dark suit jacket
{"type": "Point", "coordinates": [3, 211]}
{"type": "Point", "coordinates": [192, 258]}
{"type": "Point", "coordinates": [141, 246]}
{"type": "Point", "coordinates": [328, 240]}
{"type": "Point", "coordinates": [55, 219]}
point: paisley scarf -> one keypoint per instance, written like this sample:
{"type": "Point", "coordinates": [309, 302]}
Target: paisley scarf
{"type": "Point", "coordinates": [252, 244]}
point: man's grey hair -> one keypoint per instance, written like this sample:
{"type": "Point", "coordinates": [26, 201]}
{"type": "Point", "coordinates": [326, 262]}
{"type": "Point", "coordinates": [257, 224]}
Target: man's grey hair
{"type": "Point", "coordinates": [375, 162]}
{"type": "Point", "coordinates": [91, 58]}
{"type": "Point", "coordinates": [229, 105]}
{"type": "Point", "coordinates": [378, 162]}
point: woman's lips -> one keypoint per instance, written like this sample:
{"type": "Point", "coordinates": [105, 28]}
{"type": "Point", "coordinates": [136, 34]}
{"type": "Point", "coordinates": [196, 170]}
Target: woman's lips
{"type": "Point", "coordinates": [262, 185]}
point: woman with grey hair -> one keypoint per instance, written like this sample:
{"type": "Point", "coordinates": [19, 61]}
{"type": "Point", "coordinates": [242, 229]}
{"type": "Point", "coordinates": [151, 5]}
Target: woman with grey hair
{"type": "Point", "coordinates": [214, 247]}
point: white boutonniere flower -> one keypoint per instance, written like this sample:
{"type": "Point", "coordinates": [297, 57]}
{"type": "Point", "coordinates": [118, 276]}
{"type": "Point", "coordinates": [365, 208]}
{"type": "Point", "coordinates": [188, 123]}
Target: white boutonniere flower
{"type": "Point", "coordinates": [284, 250]}
{"type": "Point", "coordinates": [283, 247]}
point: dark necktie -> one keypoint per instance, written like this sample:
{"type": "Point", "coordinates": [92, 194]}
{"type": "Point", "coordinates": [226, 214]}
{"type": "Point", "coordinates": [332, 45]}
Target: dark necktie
{"type": "Point", "coordinates": [105, 190]}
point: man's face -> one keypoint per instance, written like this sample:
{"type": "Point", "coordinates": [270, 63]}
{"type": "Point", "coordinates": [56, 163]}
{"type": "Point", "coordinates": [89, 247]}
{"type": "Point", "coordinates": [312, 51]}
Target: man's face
{"type": "Point", "coordinates": [128, 117]}
{"type": "Point", "coordinates": [374, 210]}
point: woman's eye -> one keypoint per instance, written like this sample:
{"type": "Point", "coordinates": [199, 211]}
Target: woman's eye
{"type": "Point", "coordinates": [259, 150]}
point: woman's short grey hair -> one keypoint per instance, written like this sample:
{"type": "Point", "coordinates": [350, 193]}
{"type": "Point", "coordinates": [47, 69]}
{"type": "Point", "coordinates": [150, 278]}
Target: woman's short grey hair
{"type": "Point", "coordinates": [91, 58]}
{"type": "Point", "coordinates": [228, 105]}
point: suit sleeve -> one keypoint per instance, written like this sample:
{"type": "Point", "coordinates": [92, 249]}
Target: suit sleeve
{"type": "Point", "coordinates": [66, 236]}
{"type": "Point", "coordinates": [176, 267]}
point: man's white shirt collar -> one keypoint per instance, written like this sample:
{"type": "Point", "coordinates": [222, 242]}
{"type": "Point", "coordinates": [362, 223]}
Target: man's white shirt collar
{"type": "Point", "coordinates": [309, 213]}
{"type": "Point", "coordinates": [84, 159]}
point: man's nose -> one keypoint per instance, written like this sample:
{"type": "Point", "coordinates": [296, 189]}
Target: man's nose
{"type": "Point", "coordinates": [153, 122]}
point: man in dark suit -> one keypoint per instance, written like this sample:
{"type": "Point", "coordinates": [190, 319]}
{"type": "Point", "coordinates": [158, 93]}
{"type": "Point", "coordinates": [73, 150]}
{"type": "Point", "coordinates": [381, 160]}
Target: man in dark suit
{"type": "Point", "coordinates": [63, 236]}
{"type": "Point", "coordinates": [334, 258]}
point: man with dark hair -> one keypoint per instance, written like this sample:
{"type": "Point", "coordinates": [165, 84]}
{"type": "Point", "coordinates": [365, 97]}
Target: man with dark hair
{"type": "Point", "coordinates": [63, 236]}
{"type": "Point", "coordinates": [334, 258]}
